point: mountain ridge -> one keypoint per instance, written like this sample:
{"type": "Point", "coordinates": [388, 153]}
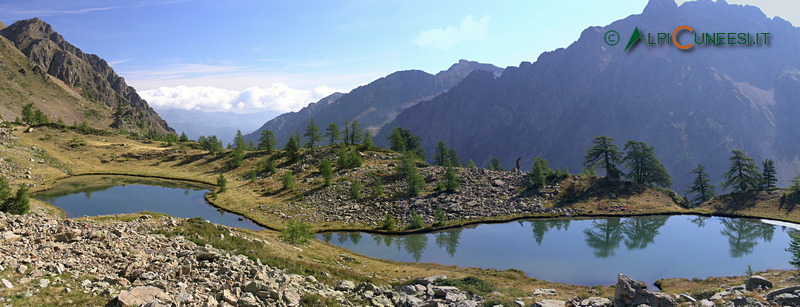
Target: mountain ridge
{"type": "Point", "coordinates": [672, 100]}
{"type": "Point", "coordinates": [373, 104]}
{"type": "Point", "coordinates": [88, 73]}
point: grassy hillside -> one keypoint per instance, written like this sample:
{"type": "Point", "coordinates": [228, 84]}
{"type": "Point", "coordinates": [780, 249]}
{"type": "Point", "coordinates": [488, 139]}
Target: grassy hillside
{"type": "Point", "coordinates": [22, 82]}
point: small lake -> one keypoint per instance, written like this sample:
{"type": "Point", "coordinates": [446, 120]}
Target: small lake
{"type": "Point", "coordinates": [592, 251]}
{"type": "Point", "coordinates": [103, 195]}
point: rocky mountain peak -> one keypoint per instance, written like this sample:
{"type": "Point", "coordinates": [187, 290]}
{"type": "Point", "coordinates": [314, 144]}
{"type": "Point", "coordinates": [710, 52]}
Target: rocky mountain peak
{"type": "Point", "coordinates": [659, 6]}
{"type": "Point", "coordinates": [88, 74]}
{"type": "Point", "coordinates": [2, 25]}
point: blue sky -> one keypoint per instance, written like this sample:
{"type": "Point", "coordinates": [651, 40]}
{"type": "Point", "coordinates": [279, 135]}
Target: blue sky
{"type": "Point", "coordinates": [245, 56]}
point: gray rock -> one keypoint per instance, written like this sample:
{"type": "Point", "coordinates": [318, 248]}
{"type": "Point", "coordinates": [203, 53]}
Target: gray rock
{"type": "Point", "coordinates": [43, 283]}
{"type": "Point", "coordinates": [519, 303]}
{"type": "Point", "coordinates": [706, 303]}
{"type": "Point", "coordinates": [467, 303]}
{"type": "Point", "coordinates": [546, 292]}
{"type": "Point", "coordinates": [757, 283]}
{"type": "Point", "coordinates": [345, 285]}
{"type": "Point", "coordinates": [786, 299]}
{"type": "Point", "coordinates": [596, 302]}
{"type": "Point", "coordinates": [247, 300]}
{"type": "Point", "coordinates": [791, 290]}
{"type": "Point", "coordinates": [550, 303]}
{"type": "Point", "coordinates": [292, 298]}
{"type": "Point", "coordinates": [430, 279]}
{"type": "Point", "coordinates": [746, 302]}
{"type": "Point", "coordinates": [22, 269]}
{"type": "Point", "coordinates": [254, 286]}
{"type": "Point", "coordinates": [137, 296]}
{"type": "Point", "coordinates": [6, 283]}
{"type": "Point", "coordinates": [633, 293]}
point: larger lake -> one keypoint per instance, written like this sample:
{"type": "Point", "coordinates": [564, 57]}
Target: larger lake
{"type": "Point", "coordinates": [102, 195]}
{"type": "Point", "coordinates": [593, 251]}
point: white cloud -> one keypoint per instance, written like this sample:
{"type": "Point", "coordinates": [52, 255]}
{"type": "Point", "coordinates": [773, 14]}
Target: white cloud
{"type": "Point", "coordinates": [444, 39]}
{"type": "Point", "coordinates": [276, 97]}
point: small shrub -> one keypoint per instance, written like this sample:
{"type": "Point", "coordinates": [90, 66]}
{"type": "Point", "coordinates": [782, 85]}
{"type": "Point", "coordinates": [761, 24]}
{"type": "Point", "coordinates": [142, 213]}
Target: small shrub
{"type": "Point", "coordinates": [470, 284]}
{"type": "Point", "coordinates": [355, 189]}
{"type": "Point", "coordinates": [377, 188]}
{"type": "Point", "coordinates": [252, 176]}
{"type": "Point", "coordinates": [222, 183]}
{"type": "Point", "coordinates": [326, 169]}
{"type": "Point", "coordinates": [416, 221]}
{"type": "Point", "coordinates": [388, 222]}
{"type": "Point", "coordinates": [315, 300]}
{"type": "Point", "coordinates": [297, 233]}
{"type": "Point", "coordinates": [349, 158]}
{"type": "Point", "coordinates": [440, 216]}
{"type": "Point", "coordinates": [288, 181]}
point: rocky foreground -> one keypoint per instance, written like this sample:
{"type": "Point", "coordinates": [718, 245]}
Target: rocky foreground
{"type": "Point", "coordinates": [130, 264]}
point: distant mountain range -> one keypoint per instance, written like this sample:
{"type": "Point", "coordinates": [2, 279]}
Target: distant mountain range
{"type": "Point", "coordinates": [42, 68]}
{"type": "Point", "coordinates": [693, 106]}
{"type": "Point", "coordinates": [375, 104]}
{"type": "Point", "coordinates": [222, 124]}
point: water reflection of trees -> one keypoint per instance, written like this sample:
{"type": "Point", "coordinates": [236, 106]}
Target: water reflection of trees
{"type": "Point", "coordinates": [415, 244]}
{"type": "Point", "coordinates": [743, 235]}
{"type": "Point", "coordinates": [604, 236]}
{"type": "Point", "coordinates": [448, 240]}
{"type": "Point", "coordinates": [642, 231]}
{"type": "Point", "coordinates": [540, 228]}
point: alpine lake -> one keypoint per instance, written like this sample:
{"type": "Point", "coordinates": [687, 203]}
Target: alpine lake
{"type": "Point", "coordinates": [573, 251]}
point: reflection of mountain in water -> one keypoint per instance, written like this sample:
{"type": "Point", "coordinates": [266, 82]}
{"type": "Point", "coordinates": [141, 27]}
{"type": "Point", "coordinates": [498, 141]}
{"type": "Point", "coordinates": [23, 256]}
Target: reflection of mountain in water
{"type": "Point", "coordinates": [91, 184]}
{"type": "Point", "coordinates": [743, 235]}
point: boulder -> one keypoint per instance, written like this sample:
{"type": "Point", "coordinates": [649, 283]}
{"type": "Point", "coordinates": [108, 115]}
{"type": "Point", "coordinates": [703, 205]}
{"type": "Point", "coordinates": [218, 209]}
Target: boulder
{"type": "Point", "coordinates": [785, 297]}
{"type": "Point", "coordinates": [550, 303]}
{"type": "Point", "coordinates": [138, 296]}
{"type": "Point", "coordinates": [429, 279]}
{"type": "Point", "coordinates": [634, 293]}
{"type": "Point", "coordinates": [596, 302]}
{"type": "Point", "coordinates": [746, 302]}
{"type": "Point", "coordinates": [345, 285]}
{"type": "Point", "coordinates": [756, 283]}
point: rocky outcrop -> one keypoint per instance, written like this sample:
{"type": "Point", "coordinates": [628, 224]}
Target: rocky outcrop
{"type": "Point", "coordinates": [131, 266]}
{"type": "Point", "coordinates": [757, 283]}
{"type": "Point", "coordinates": [483, 193]}
{"type": "Point", "coordinates": [629, 292]}
{"type": "Point", "coordinates": [785, 297]}
{"type": "Point", "coordinates": [91, 75]}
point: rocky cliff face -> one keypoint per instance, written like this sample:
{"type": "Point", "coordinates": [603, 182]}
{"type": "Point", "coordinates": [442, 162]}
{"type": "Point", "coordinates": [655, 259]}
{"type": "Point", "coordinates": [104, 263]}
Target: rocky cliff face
{"type": "Point", "coordinates": [90, 75]}
{"type": "Point", "coordinates": [693, 107]}
{"type": "Point", "coordinates": [375, 104]}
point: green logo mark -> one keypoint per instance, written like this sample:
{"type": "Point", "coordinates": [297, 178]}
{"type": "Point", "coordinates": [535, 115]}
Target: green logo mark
{"type": "Point", "coordinates": [635, 37]}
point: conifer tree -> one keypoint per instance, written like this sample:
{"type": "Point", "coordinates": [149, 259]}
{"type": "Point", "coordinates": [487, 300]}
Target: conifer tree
{"type": "Point", "coordinates": [312, 134]}
{"type": "Point", "coordinates": [768, 174]}
{"type": "Point", "coordinates": [267, 141]}
{"type": "Point", "coordinates": [742, 175]}
{"type": "Point", "coordinates": [292, 148]}
{"type": "Point", "coordinates": [333, 134]}
{"type": "Point", "coordinates": [605, 153]}
{"type": "Point", "coordinates": [701, 189]}
{"type": "Point", "coordinates": [643, 165]}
